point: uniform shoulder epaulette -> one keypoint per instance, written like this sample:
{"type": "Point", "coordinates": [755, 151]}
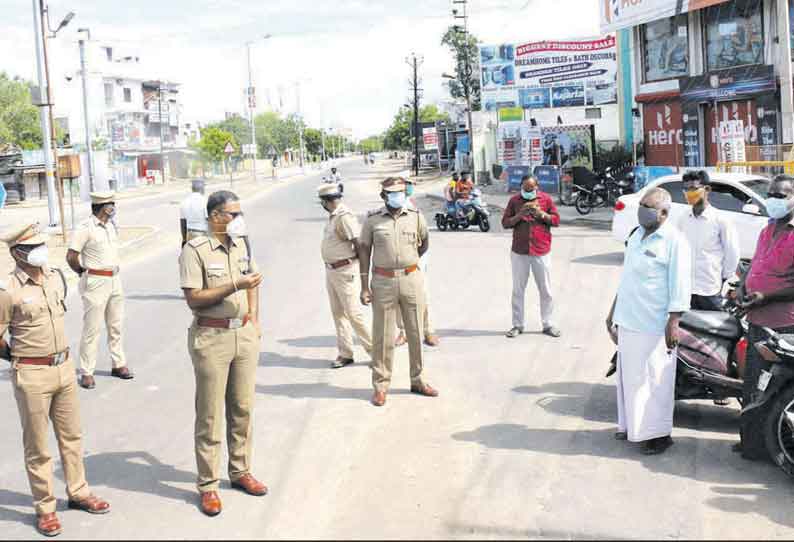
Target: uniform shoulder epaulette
{"type": "Point", "coordinates": [374, 212]}
{"type": "Point", "coordinates": [198, 241]}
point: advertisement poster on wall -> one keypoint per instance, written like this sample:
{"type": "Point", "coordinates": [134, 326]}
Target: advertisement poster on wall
{"type": "Point", "coordinates": [575, 72]}
{"type": "Point", "coordinates": [500, 99]}
{"type": "Point", "coordinates": [518, 144]}
{"type": "Point", "coordinates": [568, 146]}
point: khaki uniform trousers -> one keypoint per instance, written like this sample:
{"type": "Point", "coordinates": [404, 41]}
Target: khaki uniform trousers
{"type": "Point", "coordinates": [224, 362]}
{"type": "Point", "coordinates": [46, 393]}
{"type": "Point", "coordinates": [103, 302]}
{"type": "Point", "coordinates": [389, 295]}
{"type": "Point", "coordinates": [427, 329]}
{"type": "Point", "coordinates": [343, 294]}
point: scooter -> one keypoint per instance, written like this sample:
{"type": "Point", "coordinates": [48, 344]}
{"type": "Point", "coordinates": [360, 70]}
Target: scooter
{"type": "Point", "coordinates": [472, 212]}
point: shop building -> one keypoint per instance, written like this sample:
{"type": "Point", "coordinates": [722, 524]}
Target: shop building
{"type": "Point", "coordinates": [694, 64]}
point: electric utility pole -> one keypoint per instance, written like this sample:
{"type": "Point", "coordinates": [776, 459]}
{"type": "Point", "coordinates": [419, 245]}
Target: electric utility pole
{"type": "Point", "coordinates": [414, 62]}
{"type": "Point", "coordinates": [251, 105]}
{"type": "Point", "coordinates": [160, 114]}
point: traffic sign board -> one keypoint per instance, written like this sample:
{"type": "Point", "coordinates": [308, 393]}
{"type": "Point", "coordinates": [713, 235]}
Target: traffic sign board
{"type": "Point", "coordinates": [229, 148]}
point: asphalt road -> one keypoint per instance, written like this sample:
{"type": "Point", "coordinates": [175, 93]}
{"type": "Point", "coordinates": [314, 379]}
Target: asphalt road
{"type": "Point", "coordinates": [519, 443]}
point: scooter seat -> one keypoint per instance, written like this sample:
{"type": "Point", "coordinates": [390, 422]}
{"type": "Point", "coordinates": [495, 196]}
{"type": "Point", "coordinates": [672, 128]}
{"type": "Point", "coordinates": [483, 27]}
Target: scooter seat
{"type": "Point", "coordinates": [719, 323]}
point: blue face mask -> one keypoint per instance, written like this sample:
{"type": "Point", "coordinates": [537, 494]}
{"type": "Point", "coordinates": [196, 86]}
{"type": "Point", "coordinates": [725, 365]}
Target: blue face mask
{"type": "Point", "coordinates": [529, 195]}
{"type": "Point", "coordinates": [409, 190]}
{"type": "Point", "coordinates": [395, 200]}
{"type": "Point", "coordinates": [777, 208]}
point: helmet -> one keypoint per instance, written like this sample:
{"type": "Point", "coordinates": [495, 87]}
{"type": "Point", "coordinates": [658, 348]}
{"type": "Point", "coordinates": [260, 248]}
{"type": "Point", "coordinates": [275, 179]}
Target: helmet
{"type": "Point", "coordinates": [333, 170]}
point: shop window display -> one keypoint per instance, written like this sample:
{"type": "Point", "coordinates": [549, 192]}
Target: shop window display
{"type": "Point", "coordinates": [666, 47]}
{"type": "Point", "coordinates": [734, 34]}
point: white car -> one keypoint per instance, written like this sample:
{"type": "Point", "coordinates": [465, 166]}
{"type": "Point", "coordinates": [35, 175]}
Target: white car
{"type": "Point", "coordinates": [738, 197]}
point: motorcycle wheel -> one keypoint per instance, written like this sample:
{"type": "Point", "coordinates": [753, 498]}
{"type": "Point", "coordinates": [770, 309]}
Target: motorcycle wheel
{"type": "Point", "coordinates": [453, 223]}
{"type": "Point", "coordinates": [464, 223]}
{"type": "Point", "coordinates": [441, 222]}
{"type": "Point", "coordinates": [485, 224]}
{"type": "Point", "coordinates": [779, 430]}
{"type": "Point", "coordinates": [583, 204]}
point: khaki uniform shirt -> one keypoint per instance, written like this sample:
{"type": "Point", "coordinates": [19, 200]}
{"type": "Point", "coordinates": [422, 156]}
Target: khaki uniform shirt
{"type": "Point", "coordinates": [33, 314]}
{"type": "Point", "coordinates": [97, 243]}
{"type": "Point", "coordinates": [341, 229]}
{"type": "Point", "coordinates": [395, 242]}
{"type": "Point", "coordinates": [207, 263]}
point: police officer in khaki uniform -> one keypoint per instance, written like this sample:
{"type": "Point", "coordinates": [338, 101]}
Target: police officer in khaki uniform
{"type": "Point", "coordinates": [94, 255]}
{"type": "Point", "coordinates": [221, 285]}
{"type": "Point", "coordinates": [392, 240]}
{"type": "Point", "coordinates": [32, 307]}
{"type": "Point", "coordinates": [339, 252]}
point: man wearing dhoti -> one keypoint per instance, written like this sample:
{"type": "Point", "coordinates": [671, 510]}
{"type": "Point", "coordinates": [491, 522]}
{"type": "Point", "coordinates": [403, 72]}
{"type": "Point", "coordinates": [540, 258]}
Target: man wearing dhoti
{"type": "Point", "coordinates": [654, 291]}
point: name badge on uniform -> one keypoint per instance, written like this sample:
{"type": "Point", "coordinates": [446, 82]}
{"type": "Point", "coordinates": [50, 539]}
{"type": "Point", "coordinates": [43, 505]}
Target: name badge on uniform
{"type": "Point", "coordinates": [27, 300]}
{"type": "Point", "coordinates": [216, 267]}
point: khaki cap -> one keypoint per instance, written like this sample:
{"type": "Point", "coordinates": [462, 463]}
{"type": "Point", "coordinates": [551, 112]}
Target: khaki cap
{"type": "Point", "coordinates": [29, 234]}
{"type": "Point", "coordinates": [98, 198]}
{"type": "Point", "coordinates": [393, 184]}
{"type": "Point", "coordinates": [329, 191]}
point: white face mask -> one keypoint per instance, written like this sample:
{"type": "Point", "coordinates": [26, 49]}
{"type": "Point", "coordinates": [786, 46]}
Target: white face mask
{"type": "Point", "coordinates": [236, 228]}
{"type": "Point", "coordinates": [38, 257]}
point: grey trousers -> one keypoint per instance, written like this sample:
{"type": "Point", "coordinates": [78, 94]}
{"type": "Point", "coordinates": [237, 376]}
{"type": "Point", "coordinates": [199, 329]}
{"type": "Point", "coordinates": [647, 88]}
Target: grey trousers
{"type": "Point", "coordinates": [540, 267]}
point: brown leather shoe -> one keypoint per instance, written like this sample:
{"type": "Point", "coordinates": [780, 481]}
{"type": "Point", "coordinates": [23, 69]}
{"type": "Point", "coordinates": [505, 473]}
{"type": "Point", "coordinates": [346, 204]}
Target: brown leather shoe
{"type": "Point", "coordinates": [401, 340]}
{"type": "Point", "coordinates": [432, 340]}
{"type": "Point", "coordinates": [210, 503]}
{"type": "Point", "coordinates": [250, 485]}
{"type": "Point", "coordinates": [379, 398]}
{"type": "Point", "coordinates": [48, 525]}
{"type": "Point", "coordinates": [91, 504]}
{"type": "Point", "coordinates": [87, 382]}
{"type": "Point", "coordinates": [123, 373]}
{"type": "Point", "coordinates": [425, 390]}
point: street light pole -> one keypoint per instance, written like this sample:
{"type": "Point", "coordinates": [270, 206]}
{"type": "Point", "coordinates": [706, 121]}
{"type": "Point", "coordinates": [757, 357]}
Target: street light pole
{"type": "Point", "coordinates": [466, 82]}
{"type": "Point", "coordinates": [89, 151]}
{"type": "Point", "coordinates": [53, 138]}
{"type": "Point", "coordinates": [160, 114]}
{"type": "Point", "coordinates": [300, 121]}
{"type": "Point", "coordinates": [250, 96]}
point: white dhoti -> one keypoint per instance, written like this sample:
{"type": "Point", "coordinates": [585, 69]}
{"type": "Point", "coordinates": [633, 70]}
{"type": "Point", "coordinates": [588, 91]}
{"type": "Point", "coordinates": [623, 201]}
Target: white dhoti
{"type": "Point", "coordinates": [645, 385]}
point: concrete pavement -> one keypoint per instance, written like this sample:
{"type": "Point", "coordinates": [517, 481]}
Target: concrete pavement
{"type": "Point", "coordinates": [519, 444]}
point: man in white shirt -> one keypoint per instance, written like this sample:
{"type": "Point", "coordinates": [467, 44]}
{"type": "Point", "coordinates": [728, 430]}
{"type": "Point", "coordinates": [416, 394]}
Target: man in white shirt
{"type": "Point", "coordinates": [193, 213]}
{"type": "Point", "coordinates": [713, 241]}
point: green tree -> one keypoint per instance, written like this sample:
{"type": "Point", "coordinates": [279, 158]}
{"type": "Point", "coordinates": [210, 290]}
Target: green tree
{"type": "Point", "coordinates": [19, 118]}
{"type": "Point", "coordinates": [371, 144]}
{"type": "Point", "coordinates": [213, 142]}
{"type": "Point", "coordinates": [273, 131]}
{"type": "Point", "coordinates": [463, 47]}
{"type": "Point", "coordinates": [313, 141]}
{"type": "Point", "coordinates": [398, 135]}
{"type": "Point", "coordinates": [237, 126]}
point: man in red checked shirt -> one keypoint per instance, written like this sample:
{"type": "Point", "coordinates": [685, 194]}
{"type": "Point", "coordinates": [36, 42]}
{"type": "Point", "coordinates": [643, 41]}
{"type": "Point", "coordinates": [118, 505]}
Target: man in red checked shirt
{"type": "Point", "coordinates": [531, 215]}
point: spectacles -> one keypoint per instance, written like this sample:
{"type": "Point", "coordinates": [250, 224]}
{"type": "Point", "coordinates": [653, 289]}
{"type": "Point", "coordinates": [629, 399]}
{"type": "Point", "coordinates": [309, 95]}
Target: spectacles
{"type": "Point", "coordinates": [233, 215]}
{"type": "Point", "coordinates": [777, 195]}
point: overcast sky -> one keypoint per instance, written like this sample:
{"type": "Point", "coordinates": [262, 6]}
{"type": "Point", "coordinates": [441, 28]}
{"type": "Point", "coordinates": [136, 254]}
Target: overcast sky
{"type": "Point", "coordinates": [350, 54]}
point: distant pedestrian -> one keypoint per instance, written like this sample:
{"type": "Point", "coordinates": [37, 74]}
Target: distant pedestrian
{"type": "Point", "coordinates": [94, 255]}
{"type": "Point", "coordinates": [392, 239]}
{"type": "Point", "coordinates": [32, 309]}
{"type": "Point", "coordinates": [340, 252]}
{"type": "Point", "coordinates": [767, 294]}
{"type": "Point", "coordinates": [430, 337]}
{"type": "Point", "coordinates": [713, 241]}
{"type": "Point", "coordinates": [221, 285]}
{"type": "Point", "coordinates": [531, 214]}
{"type": "Point", "coordinates": [193, 213]}
{"type": "Point", "coordinates": [654, 291]}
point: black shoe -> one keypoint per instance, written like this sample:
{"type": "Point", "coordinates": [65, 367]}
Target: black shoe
{"type": "Point", "coordinates": [551, 331]}
{"type": "Point", "coordinates": [341, 362]}
{"type": "Point", "coordinates": [656, 446]}
{"type": "Point", "coordinates": [621, 435]}
{"type": "Point", "coordinates": [514, 332]}
{"type": "Point", "coordinates": [87, 382]}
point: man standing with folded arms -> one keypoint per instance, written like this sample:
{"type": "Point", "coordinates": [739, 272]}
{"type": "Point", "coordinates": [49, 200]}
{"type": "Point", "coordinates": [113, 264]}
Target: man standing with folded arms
{"type": "Point", "coordinates": [94, 255]}
{"type": "Point", "coordinates": [221, 285]}
{"type": "Point", "coordinates": [32, 308]}
{"type": "Point", "coordinates": [392, 240]}
{"type": "Point", "coordinates": [339, 252]}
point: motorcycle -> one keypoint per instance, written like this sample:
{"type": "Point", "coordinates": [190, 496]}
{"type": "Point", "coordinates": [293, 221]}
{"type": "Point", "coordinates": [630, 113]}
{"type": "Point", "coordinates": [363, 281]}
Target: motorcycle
{"type": "Point", "coordinates": [471, 212]}
{"type": "Point", "coordinates": [603, 194]}
{"type": "Point", "coordinates": [772, 411]}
